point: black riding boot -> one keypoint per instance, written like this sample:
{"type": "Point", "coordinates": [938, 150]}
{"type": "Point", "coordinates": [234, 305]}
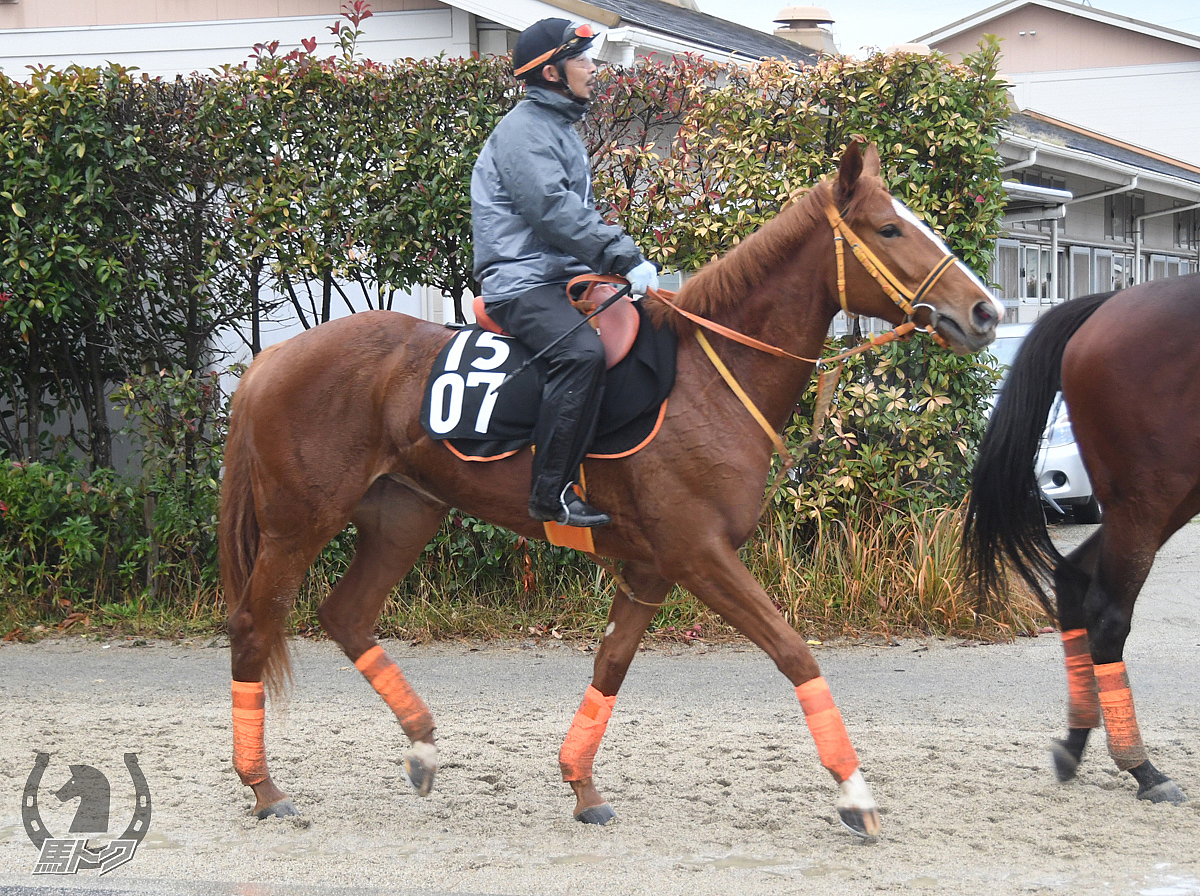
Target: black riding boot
{"type": "Point", "coordinates": [570, 405]}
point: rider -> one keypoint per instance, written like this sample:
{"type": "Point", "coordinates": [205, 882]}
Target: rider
{"type": "Point", "coordinates": [535, 227]}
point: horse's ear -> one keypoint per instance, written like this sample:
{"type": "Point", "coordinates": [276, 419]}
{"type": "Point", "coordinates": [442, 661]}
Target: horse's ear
{"type": "Point", "coordinates": [848, 173]}
{"type": "Point", "coordinates": [871, 166]}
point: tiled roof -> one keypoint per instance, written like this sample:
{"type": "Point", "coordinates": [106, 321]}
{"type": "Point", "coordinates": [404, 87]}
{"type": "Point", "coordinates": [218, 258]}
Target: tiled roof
{"type": "Point", "coordinates": [698, 27]}
{"type": "Point", "coordinates": [1047, 130]}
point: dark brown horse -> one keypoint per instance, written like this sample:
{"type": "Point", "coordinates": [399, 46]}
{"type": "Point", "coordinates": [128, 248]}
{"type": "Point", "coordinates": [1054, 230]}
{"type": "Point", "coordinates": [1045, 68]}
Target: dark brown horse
{"type": "Point", "coordinates": [1128, 367]}
{"type": "Point", "coordinates": [325, 432]}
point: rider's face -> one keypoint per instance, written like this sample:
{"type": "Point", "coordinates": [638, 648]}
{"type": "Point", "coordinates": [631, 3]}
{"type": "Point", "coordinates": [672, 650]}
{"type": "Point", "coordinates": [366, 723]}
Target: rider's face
{"type": "Point", "coordinates": [581, 75]}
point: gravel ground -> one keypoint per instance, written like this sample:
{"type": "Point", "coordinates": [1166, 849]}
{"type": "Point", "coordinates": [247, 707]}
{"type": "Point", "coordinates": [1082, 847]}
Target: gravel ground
{"type": "Point", "coordinates": [707, 762]}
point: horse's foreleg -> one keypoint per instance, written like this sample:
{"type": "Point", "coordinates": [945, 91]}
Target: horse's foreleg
{"type": "Point", "coordinates": [394, 524]}
{"type": "Point", "coordinates": [627, 621]}
{"type": "Point", "coordinates": [726, 586]}
{"type": "Point", "coordinates": [1071, 580]}
{"type": "Point", "coordinates": [1109, 608]}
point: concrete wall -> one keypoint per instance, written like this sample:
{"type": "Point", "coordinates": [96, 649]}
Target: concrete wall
{"type": "Point", "coordinates": [1057, 41]}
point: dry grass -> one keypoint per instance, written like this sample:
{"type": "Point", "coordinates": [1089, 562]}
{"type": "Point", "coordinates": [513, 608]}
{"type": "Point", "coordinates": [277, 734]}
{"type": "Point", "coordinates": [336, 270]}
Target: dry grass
{"type": "Point", "coordinates": [899, 577]}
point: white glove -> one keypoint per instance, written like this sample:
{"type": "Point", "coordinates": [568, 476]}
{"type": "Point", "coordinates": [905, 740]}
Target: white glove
{"type": "Point", "coordinates": [642, 278]}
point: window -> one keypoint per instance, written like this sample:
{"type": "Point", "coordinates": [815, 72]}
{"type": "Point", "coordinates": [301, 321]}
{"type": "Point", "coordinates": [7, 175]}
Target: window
{"type": "Point", "coordinates": [1122, 271]}
{"type": "Point", "coordinates": [1081, 271]}
{"type": "Point", "coordinates": [1187, 229]}
{"type": "Point", "coordinates": [1120, 211]}
{"type": "Point", "coordinates": [1102, 271]}
{"type": "Point", "coordinates": [1007, 270]}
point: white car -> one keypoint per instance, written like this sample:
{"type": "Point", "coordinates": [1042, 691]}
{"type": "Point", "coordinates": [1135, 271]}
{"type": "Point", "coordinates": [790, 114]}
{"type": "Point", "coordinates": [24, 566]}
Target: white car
{"type": "Point", "coordinates": [1060, 473]}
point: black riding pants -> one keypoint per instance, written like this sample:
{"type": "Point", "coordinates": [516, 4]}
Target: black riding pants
{"type": "Point", "coordinates": [574, 384]}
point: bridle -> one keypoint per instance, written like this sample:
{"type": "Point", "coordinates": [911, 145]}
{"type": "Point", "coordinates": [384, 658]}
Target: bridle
{"type": "Point", "coordinates": [907, 300]}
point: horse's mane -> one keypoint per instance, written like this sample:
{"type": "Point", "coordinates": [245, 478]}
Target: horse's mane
{"type": "Point", "coordinates": [724, 281]}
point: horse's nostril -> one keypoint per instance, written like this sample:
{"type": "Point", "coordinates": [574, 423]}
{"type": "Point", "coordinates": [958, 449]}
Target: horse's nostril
{"type": "Point", "coordinates": [985, 315]}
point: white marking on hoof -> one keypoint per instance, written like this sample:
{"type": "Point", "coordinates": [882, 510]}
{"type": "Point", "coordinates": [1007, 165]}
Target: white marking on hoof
{"type": "Point", "coordinates": [420, 765]}
{"type": "Point", "coordinates": [856, 806]}
{"type": "Point", "coordinates": [1166, 792]}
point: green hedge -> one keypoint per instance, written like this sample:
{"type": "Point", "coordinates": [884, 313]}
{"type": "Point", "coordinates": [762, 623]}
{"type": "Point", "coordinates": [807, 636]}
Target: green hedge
{"type": "Point", "coordinates": [138, 217]}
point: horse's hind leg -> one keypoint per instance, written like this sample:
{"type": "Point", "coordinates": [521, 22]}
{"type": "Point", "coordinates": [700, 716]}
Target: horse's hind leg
{"type": "Point", "coordinates": [394, 524]}
{"type": "Point", "coordinates": [1126, 553]}
{"type": "Point", "coordinates": [256, 638]}
{"type": "Point", "coordinates": [1071, 581]}
{"type": "Point", "coordinates": [627, 621]}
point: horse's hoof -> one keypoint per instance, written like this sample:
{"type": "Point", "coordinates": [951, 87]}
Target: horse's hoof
{"type": "Point", "coordinates": [1065, 764]}
{"type": "Point", "coordinates": [600, 815]}
{"type": "Point", "coordinates": [862, 823]}
{"type": "Point", "coordinates": [420, 765]}
{"type": "Point", "coordinates": [1166, 792]}
{"type": "Point", "coordinates": [856, 807]}
{"type": "Point", "coordinates": [281, 809]}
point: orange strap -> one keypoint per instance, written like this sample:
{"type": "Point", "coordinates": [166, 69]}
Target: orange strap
{"type": "Point", "coordinates": [386, 678]}
{"type": "Point", "coordinates": [583, 739]}
{"type": "Point", "coordinates": [1120, 723]}
{"type": "Point", "coordinates": [828, 730]}
{"type": "Point", "coordinates": [1083, 701]}
{"type": "Point", "coordinates": [249, 749]}
{"type": "Point", "coordinates": [665, 296]}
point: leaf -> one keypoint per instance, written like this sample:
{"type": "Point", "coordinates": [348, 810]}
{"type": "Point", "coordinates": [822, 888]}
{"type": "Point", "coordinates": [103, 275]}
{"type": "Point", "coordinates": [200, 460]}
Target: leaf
{"type": "Point", "coordinates": [18, 209]}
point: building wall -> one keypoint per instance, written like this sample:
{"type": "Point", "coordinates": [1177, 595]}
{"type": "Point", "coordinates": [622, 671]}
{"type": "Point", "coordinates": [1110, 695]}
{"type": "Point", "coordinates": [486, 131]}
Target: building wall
{"type": "Point", "coordinates": [1088, 260]}
{"type": "Point", "coordinates": [171, 48]}
{"type": "Point", "coordinates": [1152, 106]}
{"type": "Point", "coordinates": [68, 13]}
{"type": "Point", "coordinates": [1058, 41]}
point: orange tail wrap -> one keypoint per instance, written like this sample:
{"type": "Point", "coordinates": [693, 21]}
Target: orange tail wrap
{"type": "Point", "coordinates": [1083, 701]}
{"type": "Point", "coordinates": [828, 730]}
{"type": "Point", "coordinates": [583, 739]}
{"type": "Point", "coordinates": [386, 678]}
{"type": "Point", "coordinates": [1120, 723]}
{"type": "Point", "coordinates": [249, 749]}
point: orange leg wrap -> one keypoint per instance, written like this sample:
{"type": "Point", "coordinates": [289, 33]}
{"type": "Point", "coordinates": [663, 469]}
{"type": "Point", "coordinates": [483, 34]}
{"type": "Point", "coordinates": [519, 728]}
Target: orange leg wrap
{"type": "Point", "coordinates": [249, 750]}
{"type": "Point", "coordinates": [1120, 723]}
{"type": "Point", "coordinates": [386, 678]}
{"type": "Point", "coordinates": [1083, 701]}
{"type": "Point", "coordinates": [583, 739]}
{"type": "Point", "coordinates": [828, 730]}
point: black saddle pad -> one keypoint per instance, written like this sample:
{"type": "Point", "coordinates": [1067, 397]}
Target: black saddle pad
{"type": "Point", "coordinates": [464, 406]}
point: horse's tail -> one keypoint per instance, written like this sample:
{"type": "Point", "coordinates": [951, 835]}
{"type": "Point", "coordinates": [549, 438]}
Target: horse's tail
{"type": "Point", "coordinates": [237, 539]}
{"type": "Point", "coordinates": [1004, 516]}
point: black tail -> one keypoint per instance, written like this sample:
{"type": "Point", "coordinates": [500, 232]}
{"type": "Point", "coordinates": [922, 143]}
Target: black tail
{"type": "Point", "coordinates": [1004, 516]}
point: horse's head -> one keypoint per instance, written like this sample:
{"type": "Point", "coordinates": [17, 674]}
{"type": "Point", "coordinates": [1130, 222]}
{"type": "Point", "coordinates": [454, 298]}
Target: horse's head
{"type": "Point", "coordinates": [903, 269]}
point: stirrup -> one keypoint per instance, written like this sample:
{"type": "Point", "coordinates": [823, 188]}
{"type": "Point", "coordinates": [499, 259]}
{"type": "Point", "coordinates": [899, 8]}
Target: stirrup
{"type": "Point", "coordinates": [572, 510]}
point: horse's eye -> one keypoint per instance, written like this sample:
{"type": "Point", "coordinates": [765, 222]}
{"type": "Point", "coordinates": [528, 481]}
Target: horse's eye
{"type": "Point", "coordinates": [889, 231]}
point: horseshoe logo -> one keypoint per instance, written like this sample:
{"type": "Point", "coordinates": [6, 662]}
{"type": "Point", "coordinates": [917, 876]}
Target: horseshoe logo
{"type": "Point", "coordinates": [92, 816]}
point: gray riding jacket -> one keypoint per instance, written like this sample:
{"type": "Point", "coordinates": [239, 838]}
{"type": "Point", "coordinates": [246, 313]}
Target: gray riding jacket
{"type": "Point", "coordinates": [533, 217]}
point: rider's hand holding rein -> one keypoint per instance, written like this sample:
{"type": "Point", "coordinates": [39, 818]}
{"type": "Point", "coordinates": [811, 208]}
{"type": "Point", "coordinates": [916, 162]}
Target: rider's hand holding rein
{"type": "Point", "coordinates": [642, 278]}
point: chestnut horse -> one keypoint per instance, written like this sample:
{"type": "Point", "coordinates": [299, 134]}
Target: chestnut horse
{"type": "Point", "coordinates": [1126, 363]}
{"type": "Point", "coordinates": [325, 432]}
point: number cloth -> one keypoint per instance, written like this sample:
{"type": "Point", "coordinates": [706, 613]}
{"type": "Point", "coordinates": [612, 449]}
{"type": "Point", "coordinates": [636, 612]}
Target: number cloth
{"type": "Point", "coordinates": [463, 406]}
